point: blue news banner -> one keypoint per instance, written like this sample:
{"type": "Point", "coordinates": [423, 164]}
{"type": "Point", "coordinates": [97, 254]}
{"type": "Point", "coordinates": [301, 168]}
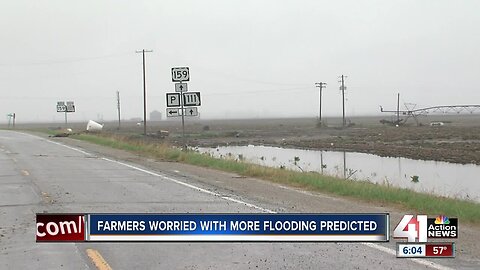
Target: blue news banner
{"type": "Point", "coordinates": [238, 227]}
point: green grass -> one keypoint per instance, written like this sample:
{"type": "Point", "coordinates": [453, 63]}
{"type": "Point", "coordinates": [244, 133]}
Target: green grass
{"type": "Point", "coordinates": [467, 211]}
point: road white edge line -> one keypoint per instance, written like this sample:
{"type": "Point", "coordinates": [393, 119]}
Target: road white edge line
{"type": "Point", "coordinates": [72, 148]}
{"type": "Point", "coordinates": [189, 185]}
{"type": "Point", "coordinates": [372, 245]}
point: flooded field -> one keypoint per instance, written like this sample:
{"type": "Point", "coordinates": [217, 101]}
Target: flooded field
{"type": "Point", "coordinates": [441, 178]}
{"type": "Point", "coordinates": [424, 158]}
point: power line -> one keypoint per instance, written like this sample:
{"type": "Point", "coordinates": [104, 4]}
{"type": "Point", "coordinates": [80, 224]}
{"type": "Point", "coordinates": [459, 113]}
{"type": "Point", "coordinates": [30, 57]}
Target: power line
{"type": "Point", "coordinates": [259, 91]}
{"type": "Point", "coordinates": [64, 61]}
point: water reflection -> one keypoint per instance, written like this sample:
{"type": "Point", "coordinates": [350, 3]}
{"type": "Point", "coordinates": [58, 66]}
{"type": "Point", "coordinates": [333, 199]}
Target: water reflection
{"type": "Point", "coordinates": [441, 178]}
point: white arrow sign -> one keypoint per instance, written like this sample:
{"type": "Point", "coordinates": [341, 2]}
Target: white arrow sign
{"type": "Point", "coordinates": [192, 111]}
{"type": "Point", "coordinates": [181, 87]}
{"type": "Point", "coordinates": [173, 112]}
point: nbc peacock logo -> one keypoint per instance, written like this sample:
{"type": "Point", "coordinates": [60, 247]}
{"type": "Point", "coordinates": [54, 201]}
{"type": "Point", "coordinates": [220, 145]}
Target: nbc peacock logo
{"type": "Point", "coordinates": [442, 220]}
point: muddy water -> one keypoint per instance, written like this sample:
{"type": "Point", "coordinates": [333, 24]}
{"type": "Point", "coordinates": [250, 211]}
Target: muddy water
{"type": "Point", "coordinates": [441, 178]}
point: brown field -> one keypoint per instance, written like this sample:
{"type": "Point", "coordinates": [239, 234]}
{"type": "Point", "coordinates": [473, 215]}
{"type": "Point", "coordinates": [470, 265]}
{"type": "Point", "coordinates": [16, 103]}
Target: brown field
{"type": "Point", "coordinates": [458, 140]}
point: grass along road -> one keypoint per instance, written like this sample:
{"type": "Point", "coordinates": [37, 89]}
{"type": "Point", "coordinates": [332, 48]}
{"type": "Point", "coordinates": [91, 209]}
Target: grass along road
{"type": "Point", "coordinates": [406, 199]}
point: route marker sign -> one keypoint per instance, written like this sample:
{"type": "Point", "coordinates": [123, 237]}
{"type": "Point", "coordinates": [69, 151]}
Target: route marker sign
{"type": "Point", "coordinates": [173, 100]}
{"type": "Point", "coordinates": [173, 112]}
{"type": "Point", "coordinates": [181, 87]}
{"type": "Point", "coordinates": [180, 74]}
{"type": "Point", "coordinates": [70, 106]}
{"type": "Point", "coordinates": [61, 107]}
{"type": "Point", "coordinates": [182, 98]}
{"type": "Point", "coordinates": [192, 111]}
{"type": "Point", "coordinates": [191, 99]}
{"type": "Point", "coordinates": [65, 107]}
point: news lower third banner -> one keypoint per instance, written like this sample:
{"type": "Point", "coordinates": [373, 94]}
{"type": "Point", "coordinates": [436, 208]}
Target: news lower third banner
{"type": "Point", "coordinates": [213, 227]}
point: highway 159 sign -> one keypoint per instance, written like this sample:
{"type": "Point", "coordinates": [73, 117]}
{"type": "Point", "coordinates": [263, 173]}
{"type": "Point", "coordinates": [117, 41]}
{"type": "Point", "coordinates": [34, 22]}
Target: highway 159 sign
{"type": "Point", "coordinates": [180, 74]}
{"type": "Point", "coordinates": [61, 107]}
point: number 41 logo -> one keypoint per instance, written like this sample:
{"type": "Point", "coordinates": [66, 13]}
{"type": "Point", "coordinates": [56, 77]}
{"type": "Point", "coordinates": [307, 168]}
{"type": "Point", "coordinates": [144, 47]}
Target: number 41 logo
{"type": "Point", "coordinates": [412, 228]}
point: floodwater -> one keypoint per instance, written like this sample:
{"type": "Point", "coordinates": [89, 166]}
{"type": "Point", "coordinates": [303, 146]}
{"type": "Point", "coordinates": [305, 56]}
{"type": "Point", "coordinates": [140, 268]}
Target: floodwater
{"type": "Point", "coordinates": [440, 178]}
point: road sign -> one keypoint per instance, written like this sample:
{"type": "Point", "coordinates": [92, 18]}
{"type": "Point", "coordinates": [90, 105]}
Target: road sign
{"type": "Point", "coordinates": [181, 87]}
{"type": "Point", "coordinates": [180, 74]}
{"type": "Point", "coordinates": [172, 112]}
{"type": "Point", "coordinates": [70, 106]}
{"type": "Point", "coordinates": [65, 107]}
{"type": "Point", "coordinates": [192, 111]}
{"type": "Point", "coordinates": [191, 99]}
{"type": "Point", "coordinates": [61, 108]}
{"type": "Point", "coordinates": [173, 99]}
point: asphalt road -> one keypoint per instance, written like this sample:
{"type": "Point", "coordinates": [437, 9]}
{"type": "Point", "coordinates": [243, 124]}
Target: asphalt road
{"type": "Point", "coordinates": [39, 175]}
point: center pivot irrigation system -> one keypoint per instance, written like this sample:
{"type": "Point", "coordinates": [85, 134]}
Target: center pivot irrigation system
{"type": "Point", "coordinates": [412, 111]}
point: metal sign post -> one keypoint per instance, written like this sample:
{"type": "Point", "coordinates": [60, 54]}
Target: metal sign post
{"type": "Point", "coordinates": [65, 107]}
{"type": "Point", "coordinates": [183, 121]}
{"type": "Point", "coordinates": [182, 98]}
{"type": "Point", "coordinates": [181, 74]}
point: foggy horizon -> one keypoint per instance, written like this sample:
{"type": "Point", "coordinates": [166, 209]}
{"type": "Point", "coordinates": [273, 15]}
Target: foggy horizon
{"type": "Point", "coordinates": [249, 59]}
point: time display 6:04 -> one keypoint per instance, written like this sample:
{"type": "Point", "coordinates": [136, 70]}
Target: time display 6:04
{"type": "Point", "coordinates": [410, 250]}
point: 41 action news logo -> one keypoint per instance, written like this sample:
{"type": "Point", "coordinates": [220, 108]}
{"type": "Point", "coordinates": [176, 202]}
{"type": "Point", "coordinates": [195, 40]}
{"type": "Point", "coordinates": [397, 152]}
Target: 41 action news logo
{"type": "Point", "coordinates": [420, 228]}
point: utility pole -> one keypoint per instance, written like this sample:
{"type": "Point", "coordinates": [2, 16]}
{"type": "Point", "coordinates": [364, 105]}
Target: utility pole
{"type": "Point", "coordinates": [320, 86]}
{"type": "Point", "coordinates": [398, 108]}
{"type": "Point", "coordinates": [343, 88]}
{"type": "Point", "coordinates": [144, 92]}
{"type": "Point", "coordinates": [118, 108]}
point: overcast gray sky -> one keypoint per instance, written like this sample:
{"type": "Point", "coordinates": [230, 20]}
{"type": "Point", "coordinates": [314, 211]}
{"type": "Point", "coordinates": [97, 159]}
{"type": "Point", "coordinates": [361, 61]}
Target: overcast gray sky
{"type": "Point", "coordinates": [248, 58]}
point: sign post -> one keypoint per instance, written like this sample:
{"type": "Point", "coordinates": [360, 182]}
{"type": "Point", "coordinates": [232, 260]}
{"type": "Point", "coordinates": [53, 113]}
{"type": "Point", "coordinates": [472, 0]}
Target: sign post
{"type": "Point", "coordinates": [65, 107]}
{"type": "Point", "coordinates": [182, 99]}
